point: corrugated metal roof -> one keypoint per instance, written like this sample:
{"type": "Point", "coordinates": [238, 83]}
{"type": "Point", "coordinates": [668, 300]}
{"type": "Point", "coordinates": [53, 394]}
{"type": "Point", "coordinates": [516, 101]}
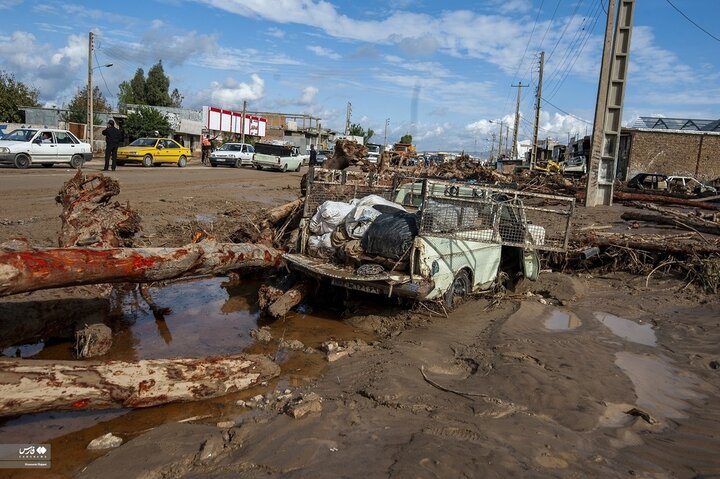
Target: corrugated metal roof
{"type": "Point", "coordinates": [680, 124]}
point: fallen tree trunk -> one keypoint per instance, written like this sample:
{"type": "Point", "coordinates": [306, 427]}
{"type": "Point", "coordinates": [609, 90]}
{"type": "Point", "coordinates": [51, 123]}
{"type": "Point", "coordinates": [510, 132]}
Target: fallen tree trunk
{"type": "Point", "coordinates": [643, 243]}
{"type": "Point", "coordinates": [625, 196]}
{"type": "Point", "coordinates": [280, 213]}
{"type": "Point", "coordinates": [31, 270]}
{"type": "Point", "coordinates": [290, 299]}
{"type": "Point", "coordinates": [672, 221]}
{"type": "Point", "coordinates": [28, 386]}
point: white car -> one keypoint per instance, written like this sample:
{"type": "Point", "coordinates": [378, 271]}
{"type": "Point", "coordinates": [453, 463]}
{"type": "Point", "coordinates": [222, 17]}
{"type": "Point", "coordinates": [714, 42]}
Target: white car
{"type": "Point", "coordinates": [233, 154]}
{"type": "Point", "coordinates": [576, 164]}
{"type": "Point", "coordinates": [43, 146]}
{"type": "Point", "coordinates": [689, 184]}
{"type": "Point", "coordinates": [277, 157]}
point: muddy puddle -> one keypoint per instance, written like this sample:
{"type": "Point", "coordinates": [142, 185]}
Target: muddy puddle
{"type": "Point", "coordinates": [559, 320]}
{"type": "Point", "coordinates": [208, 316]}
{"type": "Point", "coordinates": [628, 330]}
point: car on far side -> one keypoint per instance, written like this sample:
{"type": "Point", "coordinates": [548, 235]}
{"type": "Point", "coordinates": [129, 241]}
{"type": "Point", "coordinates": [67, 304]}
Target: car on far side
{"type": "Point", "coordinates": [153, 152]}
{"type": "Point", "coordinates": [25, 147]}
{"type": "Point", "coordinates": [233, 154]}
{"type": "Point", "coordinates": [576, 164]}
{"type": "Point", "coordinates": [648, 181]}
{"type": "Point", "coordinates": [688, 184]}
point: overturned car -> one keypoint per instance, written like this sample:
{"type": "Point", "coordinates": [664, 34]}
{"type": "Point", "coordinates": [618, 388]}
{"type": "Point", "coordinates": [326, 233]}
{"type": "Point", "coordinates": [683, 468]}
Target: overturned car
{"type": "Point", "coordinates": [424, 239]}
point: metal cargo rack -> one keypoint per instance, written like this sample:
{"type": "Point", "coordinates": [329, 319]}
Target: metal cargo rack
{"type": "Point", "coordinates": [496, 215]}
{"type": "Point", "coordinates": [472, 212]}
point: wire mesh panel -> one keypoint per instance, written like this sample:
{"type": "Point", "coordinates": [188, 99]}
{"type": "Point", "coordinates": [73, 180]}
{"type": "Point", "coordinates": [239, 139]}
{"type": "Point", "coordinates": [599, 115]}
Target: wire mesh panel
{"type": "Point", "coordinates": [334, 185]}
{"type": "Point", "coordinates": [487, 214]}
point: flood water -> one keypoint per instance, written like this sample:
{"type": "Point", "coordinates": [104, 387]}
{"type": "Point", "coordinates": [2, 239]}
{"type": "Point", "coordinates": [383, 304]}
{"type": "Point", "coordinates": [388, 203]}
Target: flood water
{"type": "Point", "coordinates": [559, 320]}
{"type": "Point", "coordinates": [208, 317]}
{"type": "Point", "coordinates": [628, 330]}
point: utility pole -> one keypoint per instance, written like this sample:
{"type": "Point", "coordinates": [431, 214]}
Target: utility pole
{"type": "Point", "coordinates": [507, 136]}
{"type": "Point", "coordinates": [492, 147]}
{"type": "Point", "coordinates": [500, 140]}
{"type": "Point", "coordinates": [348, 114]}
{"type": "Point", "coordinates": [608, 110]}
{"type": "Point", "coordinates": [89, 134]}
{"type": "Point", "coordinates": [242, 123]}
{"type": "Point", "coordinates": [514, 152]}
{"type": "Point", "coordinates": [538, 96]}
{"type": "Point", "coordinates": [387, 123]}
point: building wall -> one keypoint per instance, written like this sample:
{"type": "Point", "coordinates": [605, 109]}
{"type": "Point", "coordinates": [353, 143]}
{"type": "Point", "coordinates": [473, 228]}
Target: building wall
{"type": "Point", "coordinates": [674, 153]}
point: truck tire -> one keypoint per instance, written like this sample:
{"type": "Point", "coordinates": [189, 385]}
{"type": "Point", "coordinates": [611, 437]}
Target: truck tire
{"type": "Point", "coordinates": [284, 168]}
{"type": "Point", "coordinates": [458, 290]}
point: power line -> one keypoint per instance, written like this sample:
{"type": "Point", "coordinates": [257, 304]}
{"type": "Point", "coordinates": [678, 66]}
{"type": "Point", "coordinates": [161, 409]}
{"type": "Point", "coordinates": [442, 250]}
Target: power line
{"type": "Point", "coordinates": [563, 111]}
{"type": "Point", "coordinates": [567, 25]}
{"type": "Point", "coordinates": [691, 21]}
{"type": "Point", "coordinates": [110, 95]}
{"type": "Point", "coordinates": [579, 38]}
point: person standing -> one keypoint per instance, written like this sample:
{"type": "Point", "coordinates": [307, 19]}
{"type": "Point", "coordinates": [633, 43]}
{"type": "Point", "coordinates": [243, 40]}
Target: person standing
{"type": "Point", "coordinates": [206, 147]}
{"type": "Point", "coordinates": [313, 156]}
{"type": "Point", "coordinates": [113, 137]}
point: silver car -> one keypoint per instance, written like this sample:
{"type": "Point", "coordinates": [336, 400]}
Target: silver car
{"type": "Point", "coordinates": [44, 146]}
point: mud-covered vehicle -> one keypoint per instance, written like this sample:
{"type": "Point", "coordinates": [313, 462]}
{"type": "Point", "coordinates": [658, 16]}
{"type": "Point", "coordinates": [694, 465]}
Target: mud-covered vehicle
{"type": "Point", "coordinates": [424, 239]}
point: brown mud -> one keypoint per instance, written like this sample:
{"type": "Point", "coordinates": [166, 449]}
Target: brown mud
{"type": "Point", "coordinates": [571, 376]}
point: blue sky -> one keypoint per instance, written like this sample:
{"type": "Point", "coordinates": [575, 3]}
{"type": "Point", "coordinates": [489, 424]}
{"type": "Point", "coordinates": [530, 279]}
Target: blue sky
{"type": "Point", "coordinates": [438, 70]}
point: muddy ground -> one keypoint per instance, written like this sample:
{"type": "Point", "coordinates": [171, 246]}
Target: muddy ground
{"type": "Point", "coordinates": [576, 375]}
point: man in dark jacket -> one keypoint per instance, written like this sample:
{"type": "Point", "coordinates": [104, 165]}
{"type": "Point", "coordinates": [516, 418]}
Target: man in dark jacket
{"type": "Point", "coordinates": [313, 156]}
{"type": "Point", "coordinates": [113, 137]}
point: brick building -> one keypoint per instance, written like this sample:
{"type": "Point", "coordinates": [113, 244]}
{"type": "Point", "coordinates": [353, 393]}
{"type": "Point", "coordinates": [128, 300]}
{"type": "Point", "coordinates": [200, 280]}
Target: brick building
{"type": "Point", "coordinates": [672, 146]}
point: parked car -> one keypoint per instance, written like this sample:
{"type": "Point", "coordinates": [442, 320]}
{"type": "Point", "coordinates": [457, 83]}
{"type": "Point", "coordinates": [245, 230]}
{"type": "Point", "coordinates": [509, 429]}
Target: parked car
{"type": "Point", "coordinates": [153, 152]}
{"type": "Point", "coordinates": [44, 146]}
{"type": "Point", "coordinates": [648, 181]}
{"type": "Point", "coordinates": [323, 155]}
{"type": "Point", "coordinates": [688, 184]}
{"type": "Point", "coordinates": [277, 157]}
{"type": "Point", "coordinates": [576, 164]}
{"type": "Point", "coordinates": [233, 154]}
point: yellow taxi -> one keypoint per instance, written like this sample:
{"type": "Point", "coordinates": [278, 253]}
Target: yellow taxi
{"type": "Point", "coordinates": [153, 152]}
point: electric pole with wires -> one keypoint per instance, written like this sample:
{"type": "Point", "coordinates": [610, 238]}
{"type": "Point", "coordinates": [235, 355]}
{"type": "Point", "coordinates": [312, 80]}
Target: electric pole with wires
{"type": "Point", "coordinates": [538, 98]}
{"type": "Point", "coordinates": [514, 152]}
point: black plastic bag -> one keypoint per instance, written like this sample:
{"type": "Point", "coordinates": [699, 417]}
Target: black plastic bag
{"type": "Point", "coordinates": [391, 235]}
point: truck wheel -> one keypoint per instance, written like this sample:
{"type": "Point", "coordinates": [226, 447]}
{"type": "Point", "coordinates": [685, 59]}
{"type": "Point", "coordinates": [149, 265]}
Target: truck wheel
{"type": "Point", "coordinates": [458, 290]}
{"type": "Point", "coordinates": [284, 168]}
{"type": "Point", "coordinates": [298, 168]}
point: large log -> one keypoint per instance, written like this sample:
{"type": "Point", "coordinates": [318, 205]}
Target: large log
{"type": "Point", "coordinates": [644, 243]}
{"type": "Point", "coordinates": [31, 270]}
{"type": "Point", "coordinates": [291, 298]}
{"type": "Point", "coordinates": [625, 196]}
{"type": "Point", "coordinates": [670, 220]}
{"type": "Point", "coordinates": [28, 386]}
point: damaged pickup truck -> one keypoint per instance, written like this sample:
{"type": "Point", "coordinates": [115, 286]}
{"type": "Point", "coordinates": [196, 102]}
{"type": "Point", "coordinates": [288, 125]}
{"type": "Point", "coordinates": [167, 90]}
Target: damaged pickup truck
{"type": "Point", "coordinates": [424, 239]}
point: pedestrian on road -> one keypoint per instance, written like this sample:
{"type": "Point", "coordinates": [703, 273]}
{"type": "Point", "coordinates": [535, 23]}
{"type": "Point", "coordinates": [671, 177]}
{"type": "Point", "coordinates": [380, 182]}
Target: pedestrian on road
{"type": "Point", "coordinates": [113, 137]}
{"type": "Point", "coordinates": [313, 156]}
{"type": "Point", "coordinates": [207, 148]}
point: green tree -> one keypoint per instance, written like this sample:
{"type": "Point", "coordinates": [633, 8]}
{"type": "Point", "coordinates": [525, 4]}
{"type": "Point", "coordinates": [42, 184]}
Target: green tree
{"type": "Point", "coordinates": [14, 94]}
{"type": "Point", "coordinates": [357, 130]}
{"type": "Point", "coordinates": [176, 98]}
{"type": "Point", "coordinates": [407, 139]}
{"type": "Point", "coordinates": [77, 108]}
{"type": "Point", "coordinates": [145, 121]}
{"type": "Point", "coordinates": [133, 91]}
{"type": "Point", "coordinates": [157, 86]}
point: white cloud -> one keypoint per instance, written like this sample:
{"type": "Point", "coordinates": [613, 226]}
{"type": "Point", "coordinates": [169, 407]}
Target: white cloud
{"type": "Point", "coordinates": [324, 52]}
{"type": "Point", "coordinates": [7, 4]}
{"type": "Point", "coordinates": [652, 64]}
{"type": "Point", "coordinates": [275, 32]}
{"type": "Point", "coordinates": [308, 95]}
{"type": "Point", "coordinates": [231, 93]}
